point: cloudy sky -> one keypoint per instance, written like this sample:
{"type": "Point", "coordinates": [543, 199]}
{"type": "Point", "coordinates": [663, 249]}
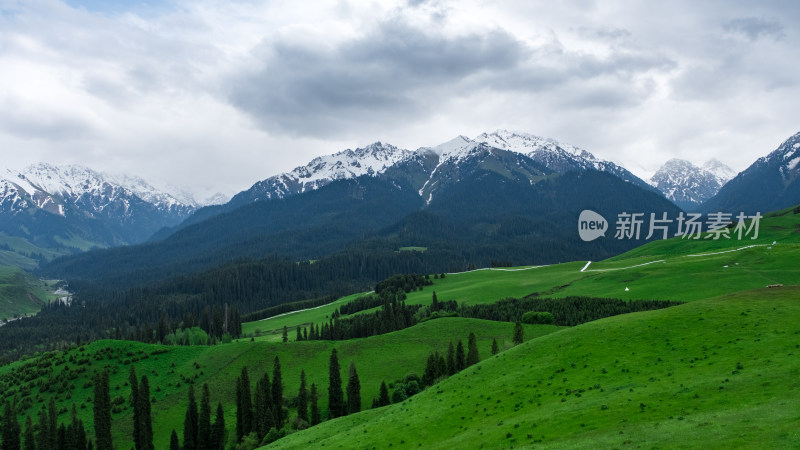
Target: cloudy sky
{"type": "Point", "coordinates": [215, 95]}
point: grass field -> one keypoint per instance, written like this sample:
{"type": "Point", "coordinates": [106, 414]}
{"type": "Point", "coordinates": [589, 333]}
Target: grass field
{"type": "Point", "coordinates": [716, 373]}
{"type": "Point", "coordinates": [379, 358]}
{"type": "Point", "coordinates": [21, 293]}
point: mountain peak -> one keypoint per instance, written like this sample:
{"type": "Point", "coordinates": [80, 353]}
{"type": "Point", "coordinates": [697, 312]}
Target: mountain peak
{"type": "Point", "coordinates": [688, 185]}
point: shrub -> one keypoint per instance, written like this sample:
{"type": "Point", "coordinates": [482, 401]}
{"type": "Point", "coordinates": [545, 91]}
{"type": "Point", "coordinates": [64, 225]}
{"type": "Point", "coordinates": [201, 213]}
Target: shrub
{"type": "Point", "coordinates": [538, 317]}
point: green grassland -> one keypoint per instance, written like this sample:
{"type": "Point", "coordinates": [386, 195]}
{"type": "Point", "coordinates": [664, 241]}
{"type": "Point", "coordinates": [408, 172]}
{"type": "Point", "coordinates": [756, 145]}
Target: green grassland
{"type": "Point", "coordinates": [716, 373]}
{"type": "Point", "coordinates": [21, 293]}
{"type": "Point", "coordinates": [386, 357]}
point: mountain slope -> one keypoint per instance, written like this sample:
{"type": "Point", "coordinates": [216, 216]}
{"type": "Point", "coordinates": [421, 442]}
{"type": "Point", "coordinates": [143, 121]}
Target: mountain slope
{"type": "Point", "coordinates": [687, 185]}
{"type": "Point", "coordinates": [54, 205]}
{"type": "Point", "coordinates": [770, 183]}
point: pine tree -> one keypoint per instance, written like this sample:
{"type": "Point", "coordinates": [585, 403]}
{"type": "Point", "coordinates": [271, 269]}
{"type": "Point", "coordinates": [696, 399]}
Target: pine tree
{"type": "Point", "coordinates": [451, 359]}
{"type": "Point", "coordinates": [315, 416]}
{"type": "Point", "coordinates": [244, 406]}
{"type": "Point", "coordinates": [495, 347]}
{"type": "Point", "coordinates": [218, 430]}
{"type": "Point", "coordinates": [285, 334]}
{"type": "Point", "coordinates": [299, 334]}
{"type": "Point", "coordinates": [383, 395]}
{"type": "Point", "coordinates": [76, 431]}
{"type": "Point", "coordinates": [461, 360]}
{"type": "Point", "coordinates": [134, 401]}
{"type": "Point", "coordinates": [262, 406]}
{"type": "Point", "coordinates": [335, 395]}
{"type": "Point", "coordinates": [472, 350]}
{"type": "Point", "coordinates": [62, 437]}
{"type": "Point", "coordinates": [204, 420]}
{"type": "Point", "coordinates": [102, 413]}
{"type": "Point", "coordinates": [52, 423]}
{"type": "Point", "coordinates": [277, 394]}
{"type": "Point", "coordinates": [190, 422]}
{"type": "Point", "coordinates": [29, 439]}
{"type": "Point", "coordinates": [173, 441]}
{"type": "Point", "coordinates": [353, 391]}
{"type": "Point", "coordinates": [10, 429]}
{"type": "Point", "coordinates": [435, 303]}
{"type": "Point", "coordinates": [145, 416]}
{"type": "Point", "coordinates": [302, 398]}
{"type": "Point", "coordinates": [519, 333]}
{"type": "Point", "coordinates": [43, 439]}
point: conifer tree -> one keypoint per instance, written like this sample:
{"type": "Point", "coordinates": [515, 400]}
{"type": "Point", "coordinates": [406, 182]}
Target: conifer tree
{"type": "Point", "coordinates": [204, 420]}
{"type": "Point", "coordinates": [495, 347]}
{"type": "Point", "coordinates": [519, 333]}
{"type": "Point", "coordinates": [173, 441]}
{"type": "Point", "coordinates": [277, 394]}
{"type": "Point", "coordinates": [335, 395]}
{"type": "Point", "coordinates": [190, 422]}
{"type": "Point", "coordinates": [315, 416]}
{"type": "Point", "coordinates": [353, 391]}
{"type": "Point", "coordinates": [285, 334]}
{"type": "Point", "coordinates": [134, 401]}
{"type": "Point", "coordinates": [10, 429]}
{"type": "Point", "coordinates": [451, 359]}
{"type": "Point", "coordinates": [218, 430]}
{"type": "Point", "coordinates": [29, 438]}
{"type": "Point", "coordinates": [299, 335]}
{"type": "Point", "coordinates": [145, 415]}
{"type": "Point", "coordinates": [383, 395]}
{"type": "Point", "coordinates": [472, 350]}
{"type": "Point", "coordinates": [244, 406]}
{"type": "Point", "coordinates": [102, 413]}
{"type": "Point", "coordinates": [43, 439]}
{"type": "Point", "coordinates": [52, 423]}
{"type": "Point", "coordinates": [302, 398]}
{"type": "Point", "coordinates": [461, 360]}
{"type": "Point", "coordinates": [435, 303]}
{"type": "Point", "coordinates": [262, 406]}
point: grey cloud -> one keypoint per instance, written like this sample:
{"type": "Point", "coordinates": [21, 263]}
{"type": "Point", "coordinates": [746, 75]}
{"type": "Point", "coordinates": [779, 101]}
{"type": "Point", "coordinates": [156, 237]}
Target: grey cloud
{"type": "Point", "coordinates": [393, 71]}
{"type": "Point", "coordinates": [754, 28]}
{"type": "Point", "coordinates": [22, 121]}
{"type": "Point", "coordinates": [399, 72]}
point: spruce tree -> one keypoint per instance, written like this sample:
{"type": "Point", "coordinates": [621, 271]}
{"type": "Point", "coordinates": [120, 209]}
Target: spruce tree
{"type": "Point", "coordinates": [461, 360]}
{"type": "Point", "coordinates": [204, 420]}
{"type": "Point", "coordinates": [52, 422]}
{"type": "Point", "coordinates": [472, 350]}
{"type": "Point", "coordinates": [495, 347]}
{"type": "Point", "coordinates": [29, 438]}
{"type": "Point", "coordinates": [43, 439]}
{"type": "Point", "coordinates": [102, 413]}
{"type": "Point", "coordinates": [519, 333]}
{"type": "Point", "coordinates": [302, 398]}
{"type": "Point", "coordinates": [299, 334]}
{"type": "Point", "coordinates": [10, 428]}
{"type": "Point", "coordinates": [145, 415]}
{"type": "Point", "coordinates": [451, 359]}
{"type": "Point", "coordinates": [218, 430]}
{"type": "Point", "coordinates": [190, 422]}
{"type": "Point", "coordinates": [435, 303]}
{"type": "Point", "coordinates": [277, 394]}
{"type": "Point", "coordinates": [285, 334]}
{"type": "Point", "coordinates": [335, 395]}
{"type": "Point", "coordinates": [315, 416]}
{"type": "Point", "coordinates": [244, 406]}
{"type": "Point", "coordinates": [62, 437]}
{"type": "Point", "coordinates": [353, 391]}
{"type": "Point", "coordinates": [134, 401]}
{"type": "Point", "coordinates": [173, 441]}
{"type": "Point", "coordinates": [383, 395]}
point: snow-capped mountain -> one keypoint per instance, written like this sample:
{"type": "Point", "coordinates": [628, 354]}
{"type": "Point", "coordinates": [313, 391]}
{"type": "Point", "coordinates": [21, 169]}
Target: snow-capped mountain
{"type": "Point", "coordinates": [373, 159]}
{"type": "Point", "coordinates": [111, 209]}
{"type": "Point", "coordinates": [772, 182]}
{"type": "Point", "coordinates": [556, 156]}
{"type": "Point", "coordinates": [688, 185]}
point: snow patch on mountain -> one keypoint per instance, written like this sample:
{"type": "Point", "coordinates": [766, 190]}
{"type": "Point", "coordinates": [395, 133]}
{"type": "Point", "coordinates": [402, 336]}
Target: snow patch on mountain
{"type": "Point", "coordinates": [688, 185]}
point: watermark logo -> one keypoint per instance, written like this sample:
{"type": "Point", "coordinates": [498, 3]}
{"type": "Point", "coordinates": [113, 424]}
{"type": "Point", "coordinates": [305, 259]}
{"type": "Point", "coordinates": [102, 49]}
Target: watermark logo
{"type": "Point", "coordinates": [631, 226]}
{"type": "Point", "coordinates": [591, 225]}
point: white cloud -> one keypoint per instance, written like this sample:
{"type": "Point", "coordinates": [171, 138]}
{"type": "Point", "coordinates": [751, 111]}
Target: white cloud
{"type": "Point", "coordinates": [216, 95]}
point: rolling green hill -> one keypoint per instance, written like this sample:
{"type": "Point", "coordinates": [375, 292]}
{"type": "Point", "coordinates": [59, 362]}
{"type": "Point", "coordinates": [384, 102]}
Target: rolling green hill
{"type": "Point", "coordinates": [21, 293]}
{"type": "Point", "coordinates": [716, 373]}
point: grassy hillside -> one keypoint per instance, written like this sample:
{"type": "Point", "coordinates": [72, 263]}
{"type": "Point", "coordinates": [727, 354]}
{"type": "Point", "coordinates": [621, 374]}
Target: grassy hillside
{"type": "Point", "coordinates": [674, 269]}
{"type": "Point", "coordinates": [386, 357]}
{"type": "Point", "coordinates": [21, 293]}
{"type": "Point", "coordinates": [716, 373]}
